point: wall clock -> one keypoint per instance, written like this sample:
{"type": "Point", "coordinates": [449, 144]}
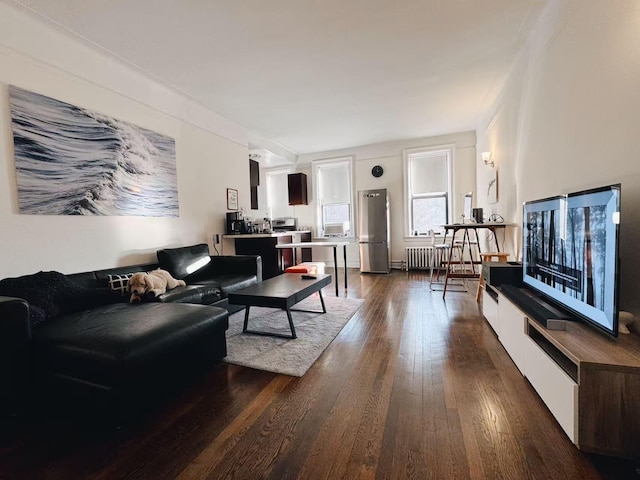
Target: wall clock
{"type": "Point", "coordinates": [377, 171]}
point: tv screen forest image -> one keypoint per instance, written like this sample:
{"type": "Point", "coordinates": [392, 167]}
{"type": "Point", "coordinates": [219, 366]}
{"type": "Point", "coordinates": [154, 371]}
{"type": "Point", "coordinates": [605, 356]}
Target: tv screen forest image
{"type": "Point", "coordinates": [566, 249]}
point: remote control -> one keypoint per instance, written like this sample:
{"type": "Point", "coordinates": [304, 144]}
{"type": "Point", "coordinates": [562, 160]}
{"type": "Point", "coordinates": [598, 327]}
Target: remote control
{"type": "Point", "coordinates": [306, 276]}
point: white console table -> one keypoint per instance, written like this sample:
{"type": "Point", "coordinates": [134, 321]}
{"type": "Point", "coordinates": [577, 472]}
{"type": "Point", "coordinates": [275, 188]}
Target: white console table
{"type": "Point", "coordinates": [333, 245]}
{"type": "Point", "coordinates": [589, 382]}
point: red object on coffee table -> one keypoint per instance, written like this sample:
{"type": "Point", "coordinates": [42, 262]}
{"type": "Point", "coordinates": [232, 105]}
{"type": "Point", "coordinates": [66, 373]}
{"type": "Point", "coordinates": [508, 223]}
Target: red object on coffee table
{"type": "Point", "coordinates": [301, 269]}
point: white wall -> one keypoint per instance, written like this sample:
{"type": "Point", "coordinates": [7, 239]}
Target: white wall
{"type": "Point", "coordinates": [211, 155]}
{"type": "Point", "coordinates": [389, 156]}
{"type": "Point", "coordinates": [567, 118]}
{"type": "Point", "coordinates": [499, 135]}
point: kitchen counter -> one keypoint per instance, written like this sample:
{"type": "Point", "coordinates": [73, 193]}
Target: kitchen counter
{"type": "Point", "coordinates": [266, 235]}
{"type": "Point", "coordinates": [264, 244]}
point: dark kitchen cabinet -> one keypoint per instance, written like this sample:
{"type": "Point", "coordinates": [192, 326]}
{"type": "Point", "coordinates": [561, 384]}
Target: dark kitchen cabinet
{"type": "Point", "coordinates": [254, 180]}
{"type": "Point", "coordinates": [254, 198]}
{"type": "Point", "coordinates": [297, 188]}
{"type": "Point", "coordinates": [254, 173]}
{"type": "Point", "coordinates": [266, 248]}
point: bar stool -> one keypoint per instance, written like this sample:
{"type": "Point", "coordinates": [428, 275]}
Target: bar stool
{"type": "Point", "coordinates": [489, 257]}
{"type": "Point", "coordinates": [440, 257]}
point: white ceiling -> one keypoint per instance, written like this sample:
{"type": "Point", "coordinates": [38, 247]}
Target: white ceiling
{"type": "Point", "coordinates": [316, 76]}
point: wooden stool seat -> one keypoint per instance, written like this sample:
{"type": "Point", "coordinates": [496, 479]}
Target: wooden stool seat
{"type": "Point", "coordinates": [499, 256]}
{"type": "Point", "coordinates": [489, 257]}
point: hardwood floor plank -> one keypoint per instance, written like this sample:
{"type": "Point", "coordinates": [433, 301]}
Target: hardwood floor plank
{"type": "Point", "coordinates": [342, 426]}
{"type": "Point", "coordinates": [175, 445]}
{"type": "Point", "coordinates": [364, 443]}
{"type": "Point", "coordinates": [344, 358]}
{"type": "Point", "coordinates": [206, 461]}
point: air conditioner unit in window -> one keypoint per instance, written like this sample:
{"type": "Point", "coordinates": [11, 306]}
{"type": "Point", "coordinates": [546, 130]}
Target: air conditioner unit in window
{"type": "Point", "coordinates": [334, 230]}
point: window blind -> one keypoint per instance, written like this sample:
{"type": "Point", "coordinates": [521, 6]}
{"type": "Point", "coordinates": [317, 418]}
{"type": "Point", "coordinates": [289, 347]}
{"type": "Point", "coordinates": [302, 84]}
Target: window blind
{"type": "Point", "coordinates": [428, 173]}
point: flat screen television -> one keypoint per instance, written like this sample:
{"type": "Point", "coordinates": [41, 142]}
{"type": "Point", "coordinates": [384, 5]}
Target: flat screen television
{"type": "Point", "coordinates": [570, 253]}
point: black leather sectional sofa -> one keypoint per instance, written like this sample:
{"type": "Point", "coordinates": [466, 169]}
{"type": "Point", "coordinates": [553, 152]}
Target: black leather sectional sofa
{"type": "Point", "coordinates": [209, 279]}
{"type": "Point", "coordinates": [72, 334]}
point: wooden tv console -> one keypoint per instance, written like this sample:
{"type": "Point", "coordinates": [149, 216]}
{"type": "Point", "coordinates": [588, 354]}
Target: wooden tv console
{"type": "Point", "coordinates": [589, 382]}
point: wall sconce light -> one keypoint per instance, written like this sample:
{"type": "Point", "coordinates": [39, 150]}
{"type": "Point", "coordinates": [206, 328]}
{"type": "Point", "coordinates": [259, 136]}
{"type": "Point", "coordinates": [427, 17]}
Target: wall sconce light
{"type": "Point", "coordinates": [486, 158]}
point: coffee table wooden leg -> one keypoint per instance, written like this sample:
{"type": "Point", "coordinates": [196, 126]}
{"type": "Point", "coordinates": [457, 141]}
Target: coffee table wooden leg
{"type": "Point", "coordinates": [324, 309]}
{"type": "Point", "coordinates": [269, 334]}
{"type": "Point", "coordinates": [246, 319]}
{"type": "Point", "coordinates": [335, 267]}
{"type": "Point", "coordinates": [293, 330]}
{"type": "Point", "coordinates": [344, 254]}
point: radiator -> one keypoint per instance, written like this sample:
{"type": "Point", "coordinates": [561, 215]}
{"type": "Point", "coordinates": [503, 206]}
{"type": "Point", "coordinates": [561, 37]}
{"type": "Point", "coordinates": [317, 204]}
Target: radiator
{"type": "Point", "coordinates": [422, 257]}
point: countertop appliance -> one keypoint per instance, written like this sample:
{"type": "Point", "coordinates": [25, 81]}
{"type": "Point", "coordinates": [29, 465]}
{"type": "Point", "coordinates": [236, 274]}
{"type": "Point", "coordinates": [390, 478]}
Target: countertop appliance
{"type": "Point", "coordinates": [285, 224]}
{"type": "Point", "coordinates": [374, 236]}
{"type": "Point", "coordinates": [262, 226]}
{"type": "Point", "coordinates": [235, 223]}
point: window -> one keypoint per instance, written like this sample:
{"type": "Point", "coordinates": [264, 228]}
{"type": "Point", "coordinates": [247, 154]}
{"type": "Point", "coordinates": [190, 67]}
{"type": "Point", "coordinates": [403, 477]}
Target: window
{"type": "Point", "coordinates": [427, 180]}
{"type": "Point", "coordinates": [278, 193]}
{"type": "Point", "coordinates": [334, 197]}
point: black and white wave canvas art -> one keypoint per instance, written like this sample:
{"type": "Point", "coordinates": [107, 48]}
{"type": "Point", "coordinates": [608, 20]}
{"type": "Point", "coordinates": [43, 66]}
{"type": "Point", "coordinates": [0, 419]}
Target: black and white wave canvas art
{"type": "Point", "coordinates": [72, 161]}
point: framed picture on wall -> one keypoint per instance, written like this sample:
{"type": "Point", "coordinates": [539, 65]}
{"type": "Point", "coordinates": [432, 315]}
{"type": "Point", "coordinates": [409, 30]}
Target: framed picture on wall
{"type": "Point", "coordinates": [73, 161]}
{"type": "Point", "coordinates": [232, 199]}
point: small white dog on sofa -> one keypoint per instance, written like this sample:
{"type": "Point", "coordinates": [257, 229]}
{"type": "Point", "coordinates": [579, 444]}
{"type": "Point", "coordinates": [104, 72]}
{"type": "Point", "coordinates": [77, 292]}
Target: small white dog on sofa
{"type": "Point", "coordinates": [151, 284]}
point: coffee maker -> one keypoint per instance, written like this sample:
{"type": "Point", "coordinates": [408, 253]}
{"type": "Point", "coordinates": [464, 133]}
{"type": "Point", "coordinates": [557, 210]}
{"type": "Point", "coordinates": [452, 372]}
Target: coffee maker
{"type": "Point", "coordinates": [235, 223]}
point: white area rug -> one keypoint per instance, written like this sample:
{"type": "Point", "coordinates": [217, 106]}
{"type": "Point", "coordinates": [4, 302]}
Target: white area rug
{"type": "Point", "coordinates": [315, 332]}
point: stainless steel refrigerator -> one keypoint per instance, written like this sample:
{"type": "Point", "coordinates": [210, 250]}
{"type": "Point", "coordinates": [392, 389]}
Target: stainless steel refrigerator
{"type": "Point", "coordinates": [373, 231]}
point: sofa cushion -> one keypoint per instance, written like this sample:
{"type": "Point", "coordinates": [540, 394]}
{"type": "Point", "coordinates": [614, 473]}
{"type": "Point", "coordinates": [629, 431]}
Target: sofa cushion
{"type": "Point", "coordinates": [184, 261]}
{"type": "Point", "coordinates": [121, 342]}
{"type": "Point", "coordinates": [201, 294]}
{"type": "Point", "coordinates": [36, 315]}
{"type": "Point", "coordinates": [118, 283]}
{"type": "Point", "coordinates": [231, 282]}
{"type": "Point", "coordinates": [102, 276]}
{"type": "Point", "coordinates": [53, 292]}
{"type": "Point", "coordinates": [85, 279]}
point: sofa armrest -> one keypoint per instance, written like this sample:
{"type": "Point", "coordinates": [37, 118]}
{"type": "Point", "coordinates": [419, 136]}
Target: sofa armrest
{"type": "Point", "coordinates": [15, 351]}
{"type": "Point", "coordinates": [234, 264]}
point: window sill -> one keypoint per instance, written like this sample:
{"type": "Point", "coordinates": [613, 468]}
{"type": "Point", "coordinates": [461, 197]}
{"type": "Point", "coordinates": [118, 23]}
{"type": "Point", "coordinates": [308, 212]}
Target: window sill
{"type": "Point", "coordinates": [334, 239]}
{"type": "Point", "coordinates": [422, 238]}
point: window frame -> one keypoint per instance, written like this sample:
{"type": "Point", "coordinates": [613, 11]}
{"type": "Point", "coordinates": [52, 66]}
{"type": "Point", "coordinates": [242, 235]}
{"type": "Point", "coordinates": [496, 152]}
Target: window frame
{"type": "Point", "coordinates": [407, 155]}
{"type": "Point", "coordinates": [430, 196]}
{"type": "Point", "coordinates": [317, 166]}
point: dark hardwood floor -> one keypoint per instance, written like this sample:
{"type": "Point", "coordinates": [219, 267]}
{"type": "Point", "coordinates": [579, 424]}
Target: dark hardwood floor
{"type": "Point", "coordinates": [413, 387]}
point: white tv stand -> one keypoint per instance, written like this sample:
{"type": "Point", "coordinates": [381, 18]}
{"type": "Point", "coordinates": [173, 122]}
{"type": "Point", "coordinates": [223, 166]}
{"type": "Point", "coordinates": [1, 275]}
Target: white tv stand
{"type": "Point", "coordinates": [589, 382]}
